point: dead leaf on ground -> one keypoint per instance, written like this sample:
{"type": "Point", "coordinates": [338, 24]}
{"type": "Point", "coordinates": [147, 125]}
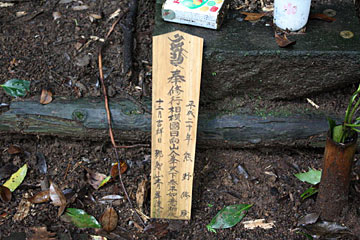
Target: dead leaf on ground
{"type": "Point", "coordinates": [253, 16]}
{"type": "Point", "coordinates": [114, 172]}
{"type": "Point", "coordinates": [346, 34]}
{"type": "Point", "coordinates": [57, 197]}
{"type": "Point", "coordinates": [13, 149]}
{"type": "Point", "coordinates": [40, 197]}
{"type": "Point", "coordinates": [141, 193]}
{"type": "Point", "coordinates": [95, 179]}
{"type": "Point", "coordinates": [23, 209]}
{"type": "Point", "coordinates": [46, 97]}
{"type": "Point", "coordinates": [109, 219]}
{"type": "Point", "coordinates": [321, 16]}
{"type": "Point", "coordinates": [282, 40]}
{"type": "Point", "coordinates": [158, 229]}
{"type": "Point", "coordinates": [258, 223]}
{"type": "Point", "coordinates": [5, 194]}
{"type": "Point", "coordinates": [40, 233]}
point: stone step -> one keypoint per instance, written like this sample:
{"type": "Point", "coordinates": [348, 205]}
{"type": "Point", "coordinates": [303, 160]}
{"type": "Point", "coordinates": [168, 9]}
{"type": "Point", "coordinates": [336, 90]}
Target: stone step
{"type": "Point", "coordinates": [242, 58]}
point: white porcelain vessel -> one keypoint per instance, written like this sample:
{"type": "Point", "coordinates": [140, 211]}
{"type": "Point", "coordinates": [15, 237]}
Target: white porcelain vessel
{"type": "Point", "coordinates": [291, 14]}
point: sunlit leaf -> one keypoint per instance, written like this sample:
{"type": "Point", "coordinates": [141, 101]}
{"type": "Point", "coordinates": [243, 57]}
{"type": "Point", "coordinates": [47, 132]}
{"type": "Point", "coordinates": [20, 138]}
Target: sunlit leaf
{"type": "Point", "coordinates": [16, 179]}
{"type": "Point", "coordinates": [94, 237]}
{"type": "Point", "coordinates": [312, 176]}
{"type": "Point", "coordinates": [81, 219]}
{"type": "Point", "coordinates": [57, 197]}
{"type": "Point", "coordinates": [109, 219]}
{"type": "Point", "coordinates": [40, 197]}
{"type": "Point", "coordinates": [228, 217]}
{"type": "Point", "coordinates": [46, 97]}
{"type": "Point", "coordinates": [16, 87]}
{"type": "Point", "coordinates": [103, 182]}
{"type": "Point", "coordinates": [5, 194]}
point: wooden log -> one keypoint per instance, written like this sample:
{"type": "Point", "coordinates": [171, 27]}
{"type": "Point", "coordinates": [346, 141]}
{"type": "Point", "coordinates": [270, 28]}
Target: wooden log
{"type": "Point", "coordinates": [86, 119]}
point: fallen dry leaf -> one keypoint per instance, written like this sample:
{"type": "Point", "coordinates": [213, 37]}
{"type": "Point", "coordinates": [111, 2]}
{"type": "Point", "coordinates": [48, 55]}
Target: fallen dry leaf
{"type": "Point", "coordinates": [114, 172]}
{"type": "Point", "coordinates": [40, 197]}
{"type": "Point", "coordinates": [252, 16]}
{"type": "Point", "coordinates": [57, 197]}
{"type": "Point", "coordinates": [95, 179]}
{"type": "Point", "coordinates": [346, 34]}
{"type": "Point", "coordinates": [258, 223]}
{"type": "Point", "coordinates": [22, 209]}
{"type": "Point", "coordinates": [109, 219]}
{"type": "Point", "coordinates": [158, 229]}
{"type": "Point", "coordinates": [46, 97]}
{"type": "Point", "coordinates": [13, 149]}
{"type": "Point", "coordinates": [321, 16]}
{"type": "Point", "coordinates": [283, 41]}
{"type": "Point", "coordinates": [41, 233]}
{"type": "Point", "coordinates": [5, 194]}
{"type": "Point", "coordinates": [141, 194]}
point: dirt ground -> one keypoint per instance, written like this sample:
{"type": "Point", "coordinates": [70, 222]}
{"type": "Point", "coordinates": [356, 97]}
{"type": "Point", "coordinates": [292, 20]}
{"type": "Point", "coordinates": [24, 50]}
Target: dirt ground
{"type": "Point", "coordinates": [60, 53]}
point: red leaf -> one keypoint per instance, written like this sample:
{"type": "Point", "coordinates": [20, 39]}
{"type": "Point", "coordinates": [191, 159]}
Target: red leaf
{"type": "Point", "coordinates": [114, 172]}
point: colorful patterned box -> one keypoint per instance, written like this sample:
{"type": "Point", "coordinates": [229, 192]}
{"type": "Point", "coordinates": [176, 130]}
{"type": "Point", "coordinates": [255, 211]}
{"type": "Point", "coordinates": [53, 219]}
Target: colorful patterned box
{"type": "Point", "coordinates": [202, 13]}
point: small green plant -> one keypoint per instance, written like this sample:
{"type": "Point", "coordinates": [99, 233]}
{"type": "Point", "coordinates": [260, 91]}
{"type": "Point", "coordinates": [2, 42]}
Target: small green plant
{"type": "Point", "coordinates": [344, 132]}
{"type": "Point", "coordinates": [16, 87]}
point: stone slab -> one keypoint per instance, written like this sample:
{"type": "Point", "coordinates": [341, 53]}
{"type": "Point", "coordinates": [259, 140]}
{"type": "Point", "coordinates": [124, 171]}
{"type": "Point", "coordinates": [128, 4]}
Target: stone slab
{"type": "Point", "coordinates": [243, 58]}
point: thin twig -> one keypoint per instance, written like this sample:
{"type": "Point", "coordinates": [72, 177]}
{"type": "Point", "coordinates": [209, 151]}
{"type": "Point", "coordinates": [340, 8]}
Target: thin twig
{"type": "Point", "coordinates": [103, 87]}
{"type": "Point", "coordinates": [108, 114]}
{"type": "Point", "coordinates": [123, 187]}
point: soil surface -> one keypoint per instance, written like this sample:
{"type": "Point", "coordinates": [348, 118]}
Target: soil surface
{"type": "Point", "coordinates": [54, 45]}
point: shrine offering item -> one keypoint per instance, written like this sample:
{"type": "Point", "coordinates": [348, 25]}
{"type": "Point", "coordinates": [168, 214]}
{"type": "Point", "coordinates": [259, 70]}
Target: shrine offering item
{"type": "Point", "coordinates": [202, 13]}
{"type": "Point", "coordinates": [291, 15]}
{"type": "Point", "coordinates": [177, 61]}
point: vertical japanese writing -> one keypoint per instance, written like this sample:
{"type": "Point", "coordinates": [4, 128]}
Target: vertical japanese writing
{"type": "Point", "coordinates": [175, 93]}
{"type": "Point", "coordinates": [157, 208]}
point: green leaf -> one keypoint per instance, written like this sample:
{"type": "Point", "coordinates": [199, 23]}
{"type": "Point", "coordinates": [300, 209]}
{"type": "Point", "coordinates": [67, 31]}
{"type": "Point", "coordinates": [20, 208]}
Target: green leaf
{"type": "Point", "coordinates": [16, 87]}
{"type": "Point", "coordinates": [309, 192]}
{"type": "Point", "coordinates": [16, 179]}
{"type": "Point", "coordinates": [337, 134]}
{"type": "Point", "coordinates": [103, 182]}
{"type": "Point", "coordinates": [81, 219]}
{"type": "Point", "coordinates": [228, 217]}
{"type": "Point", "coordinates": [312, 176]}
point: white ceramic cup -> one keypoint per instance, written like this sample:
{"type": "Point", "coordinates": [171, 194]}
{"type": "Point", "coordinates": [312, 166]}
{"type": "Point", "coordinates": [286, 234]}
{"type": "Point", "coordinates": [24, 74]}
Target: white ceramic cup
{"type": "Point", "coordinates": [291, 14]}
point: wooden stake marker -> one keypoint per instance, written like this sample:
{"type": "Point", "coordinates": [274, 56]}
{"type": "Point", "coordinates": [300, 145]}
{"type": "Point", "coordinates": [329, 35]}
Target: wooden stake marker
{"type": "Point", "coordinates": [177, 61]}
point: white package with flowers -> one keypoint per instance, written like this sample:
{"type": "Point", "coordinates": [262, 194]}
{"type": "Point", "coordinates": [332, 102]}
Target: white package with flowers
{"type": "Point", "coordinates": [202, 13]}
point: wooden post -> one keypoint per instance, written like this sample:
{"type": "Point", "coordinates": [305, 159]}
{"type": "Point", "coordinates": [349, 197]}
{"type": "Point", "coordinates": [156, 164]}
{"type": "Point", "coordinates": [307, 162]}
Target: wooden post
{"type": "Point", "coordinates": [177, 61]}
